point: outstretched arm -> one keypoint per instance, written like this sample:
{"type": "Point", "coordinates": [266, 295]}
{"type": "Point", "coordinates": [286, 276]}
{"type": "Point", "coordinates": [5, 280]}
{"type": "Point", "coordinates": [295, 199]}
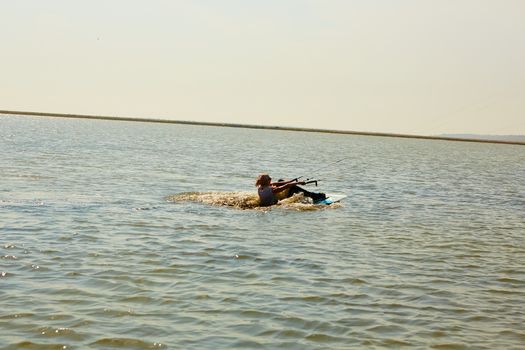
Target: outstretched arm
{"type": "Point", "coordinates": [287, 184]}
{"type": "Point", "coordinates": [280, 183]}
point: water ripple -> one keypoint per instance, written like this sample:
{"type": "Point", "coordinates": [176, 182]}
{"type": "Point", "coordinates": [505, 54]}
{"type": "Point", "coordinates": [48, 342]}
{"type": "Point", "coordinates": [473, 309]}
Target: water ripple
{"type": "Point", "coordinates": [426, 252]}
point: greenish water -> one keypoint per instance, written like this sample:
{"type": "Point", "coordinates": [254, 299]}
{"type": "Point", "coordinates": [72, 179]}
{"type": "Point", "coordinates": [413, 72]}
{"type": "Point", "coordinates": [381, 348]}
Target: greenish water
{"type": "Point", "coordinates": [131, 235]}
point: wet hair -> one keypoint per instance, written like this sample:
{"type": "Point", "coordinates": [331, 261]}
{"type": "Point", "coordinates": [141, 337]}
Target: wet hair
{"type": "Point", "coordinates": [263, 180]}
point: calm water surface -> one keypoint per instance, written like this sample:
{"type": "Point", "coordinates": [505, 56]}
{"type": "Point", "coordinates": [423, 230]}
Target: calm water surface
{"type": "Point", "coordinates": [101, 248]}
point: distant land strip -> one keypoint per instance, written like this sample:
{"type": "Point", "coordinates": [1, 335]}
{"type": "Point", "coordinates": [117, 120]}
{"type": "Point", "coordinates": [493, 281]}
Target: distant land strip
{"type": "Point", "coordinates": [248, 126]}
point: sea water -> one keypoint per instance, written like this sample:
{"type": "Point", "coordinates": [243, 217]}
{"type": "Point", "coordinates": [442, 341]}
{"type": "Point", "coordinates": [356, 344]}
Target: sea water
{"type": "Point", "coordinates": [143, 235]}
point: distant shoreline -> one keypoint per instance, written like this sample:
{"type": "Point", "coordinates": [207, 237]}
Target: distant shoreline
{"type": "Point", "coordinates": [249, 126]}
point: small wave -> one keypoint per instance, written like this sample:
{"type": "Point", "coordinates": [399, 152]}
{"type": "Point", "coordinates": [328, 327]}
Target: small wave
{"type": "Point", "coordinates": [14, 316]}
{"type": "Point", "coordinates": [128, 343]}
{"type": "Point", "coordinates": [32, 177]}
{"type": "Point", "coordinates": [323, 338]}
{"type": "Point", "coordinates": [36, 346]}
{"type": "Point", "coordinates": [61, 332]}
{"type": "Point", "coordinates": [245, 200]}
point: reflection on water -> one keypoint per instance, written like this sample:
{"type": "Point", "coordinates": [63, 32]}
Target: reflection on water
{"type": "Point", "coordinates": [121, 235]}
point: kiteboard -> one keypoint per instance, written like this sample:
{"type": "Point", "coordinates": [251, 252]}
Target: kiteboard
{"type": "Point", "coordinates": [331, 198]}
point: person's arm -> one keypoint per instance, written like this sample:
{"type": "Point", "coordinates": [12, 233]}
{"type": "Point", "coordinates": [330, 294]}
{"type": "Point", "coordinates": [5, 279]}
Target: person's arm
{"type": "Point", "coordinates": [280, 183]}
{"type": "Point", "coordinates": [288, 184]}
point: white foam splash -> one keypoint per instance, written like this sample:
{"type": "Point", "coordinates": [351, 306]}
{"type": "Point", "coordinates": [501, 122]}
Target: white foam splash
{"type": "Point", "coordinates": [244, 200]}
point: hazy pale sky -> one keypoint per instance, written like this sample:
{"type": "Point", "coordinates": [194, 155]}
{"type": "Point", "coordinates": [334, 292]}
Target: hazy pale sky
{"type": "Point", "coordinates": [405, 66]}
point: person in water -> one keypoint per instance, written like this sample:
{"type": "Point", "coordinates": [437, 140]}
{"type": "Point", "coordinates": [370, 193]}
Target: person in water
{"type": "Point", "coordinates": [268, 191]}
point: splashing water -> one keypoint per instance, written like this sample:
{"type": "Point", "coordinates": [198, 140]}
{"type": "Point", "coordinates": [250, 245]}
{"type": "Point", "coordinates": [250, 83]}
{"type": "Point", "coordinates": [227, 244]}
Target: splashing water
{"type": "Point", "coordinates": [247, 200]}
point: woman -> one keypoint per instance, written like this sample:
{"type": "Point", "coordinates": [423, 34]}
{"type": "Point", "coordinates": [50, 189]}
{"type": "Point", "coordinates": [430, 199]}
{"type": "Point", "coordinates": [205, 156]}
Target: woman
{"type": "Point", "coordinates": [267, 190]}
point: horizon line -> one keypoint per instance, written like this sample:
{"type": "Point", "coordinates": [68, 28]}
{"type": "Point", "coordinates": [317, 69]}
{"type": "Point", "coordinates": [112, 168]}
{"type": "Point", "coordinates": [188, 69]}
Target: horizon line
{"type": "Point", "coordinates": [252, 126]}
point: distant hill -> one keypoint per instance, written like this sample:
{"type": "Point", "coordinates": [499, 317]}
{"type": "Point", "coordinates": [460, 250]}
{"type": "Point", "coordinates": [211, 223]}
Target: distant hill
{"type": "Point", "coordinates": [511, 138]}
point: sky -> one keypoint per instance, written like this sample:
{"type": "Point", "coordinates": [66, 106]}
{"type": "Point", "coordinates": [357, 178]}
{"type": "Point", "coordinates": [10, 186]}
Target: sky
{"type": "Point", "coordinates": [423, 67]}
